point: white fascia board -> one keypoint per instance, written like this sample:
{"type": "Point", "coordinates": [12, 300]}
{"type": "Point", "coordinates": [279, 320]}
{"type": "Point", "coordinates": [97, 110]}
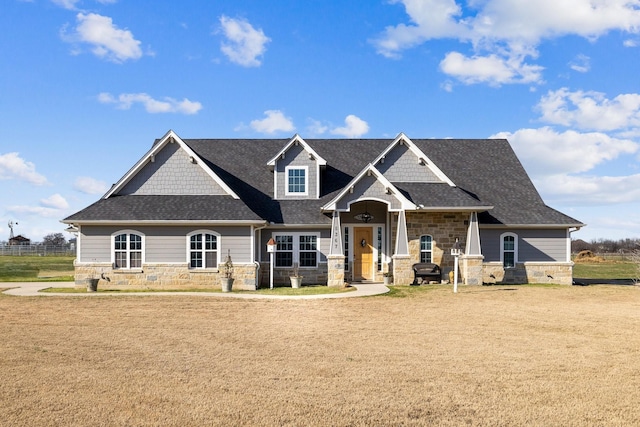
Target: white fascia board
{"type": "Point", "coordinates": [140, 164]}
{"type": "Point", "coordinates": [297, 138]}
{"type": "Point", "coordinates": [406, 203]}
{"type": "Point", "coordinates": [529, 226]}
{"type": "Point", "coordinates": [170, 136]}
{"type": "Point", "coordinates": [299, 226]}
{"type": "Point", "coordinates": [171, 222]}
{"type": "Point", "coordinates": [418, 153]}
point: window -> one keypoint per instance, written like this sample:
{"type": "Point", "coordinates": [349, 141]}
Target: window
{"type": "Point", "coordinates": [203, 250]}
{"type": "Point", "coordinates": [509, 249]}
{"type": "Point", "coordinates": [426, 248]}
{"type": "Point", "coordinates": [296, 248]}
{"type": "Point", "coordinates": [346, 249]}
{"type": "Point", "coordinates": [284, 251]}
{"type": "Point", "coordinates": [296, 181]}
{"type": "Point", "coordinates": [379, 248]}
{"type": "Point", "coordinates": [127, 250]}
{"type": "Point", "coordinates": [308, 251]}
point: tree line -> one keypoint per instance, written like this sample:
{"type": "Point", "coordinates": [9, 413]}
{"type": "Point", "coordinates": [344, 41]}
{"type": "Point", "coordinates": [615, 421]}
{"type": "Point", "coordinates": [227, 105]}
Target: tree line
{"type": "Point", "coordinates": [605, 245]}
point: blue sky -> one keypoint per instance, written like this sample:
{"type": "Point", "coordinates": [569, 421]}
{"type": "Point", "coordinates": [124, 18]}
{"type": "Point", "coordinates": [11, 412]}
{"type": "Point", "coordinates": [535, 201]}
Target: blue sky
{"type": "Point", "coordinates": [87, 85]}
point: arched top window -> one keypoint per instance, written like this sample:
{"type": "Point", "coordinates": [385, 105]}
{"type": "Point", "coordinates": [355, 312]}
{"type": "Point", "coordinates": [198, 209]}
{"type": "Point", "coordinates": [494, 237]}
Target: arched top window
{"type": "Point", "coordinates": [509, 249]}
{"type": "Point", "coordinates": [128, 249]}
{"type": "Point", "coordinates": [426, 248]}
{"type": "Point", "coordinates": [203, 249]}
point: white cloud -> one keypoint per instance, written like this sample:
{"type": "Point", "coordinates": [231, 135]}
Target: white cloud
{"type": "Point", "coordinates": [431, 19]}
{"type": "Point", "coordinates": [38, 211]}
{"type": "Point", "coordinates": [244, 44]}
{"type": "Point", "coordinates": [354, 127]}
{"type": "Point", "coordinates": [503, 33]}
{"type": "Point", "coordinates": [590, 190]}
{"type": "Point", "coordinates": [56, 201]}
{"type": "Point", "coordinates": [275, 121]}
{"type": "Point", "coordinates": [491, 69]}
{"type": "Point", "coordinates": [107, 40]}
{"type": "Point", "coordinates": [545, 151]}
{"type": "Point", "coordinates": [581, 63]}
{"type": "Point", "coordinates": [67, 4]}
{"type": "Point", "coordinates": [316, 127]}
{"type": "Point", "coordinates": [591, 110]}
{"type": "Point", "coordinates": [14, 167]}
{"type": "Point", "coordinates": [89, 185]}
{"type": "Point", "coordinates": [124, 101]}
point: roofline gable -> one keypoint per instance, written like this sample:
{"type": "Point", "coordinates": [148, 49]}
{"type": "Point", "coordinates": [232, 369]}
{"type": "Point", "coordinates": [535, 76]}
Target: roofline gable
{"type": "Point", "coordinates": [371, 169]}
{"type": "Point", "coordinates": [169, 137]}
{"type": "Point", "coordinates": [297, 139]}
{"type": "Point", "coordinates": [404, 139]}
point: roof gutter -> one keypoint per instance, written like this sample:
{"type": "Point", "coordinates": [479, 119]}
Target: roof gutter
{"type": "Point", "coordinates": [165, 222]}
{"type": "Point", "coordinates": [498, 226]}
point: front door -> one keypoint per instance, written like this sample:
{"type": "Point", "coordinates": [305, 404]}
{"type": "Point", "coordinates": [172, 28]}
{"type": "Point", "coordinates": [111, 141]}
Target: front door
{"type": "Point", "coordinates": [363, 253]}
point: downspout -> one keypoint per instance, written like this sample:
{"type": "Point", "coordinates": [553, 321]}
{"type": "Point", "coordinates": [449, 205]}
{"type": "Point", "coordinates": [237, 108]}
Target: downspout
{"type": "Point", "coordinates": [256, 263]}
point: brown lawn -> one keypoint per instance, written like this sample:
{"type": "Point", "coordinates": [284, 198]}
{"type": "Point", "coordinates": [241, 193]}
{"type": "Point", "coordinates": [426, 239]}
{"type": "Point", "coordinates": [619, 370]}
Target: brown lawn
{"type": "Point", "coordinates": [561, 356]}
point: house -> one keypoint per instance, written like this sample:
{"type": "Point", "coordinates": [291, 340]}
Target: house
{"type": "Point", "coordinates": [342, 210]}
{"type": "Point", "coordinates": [19, 240]}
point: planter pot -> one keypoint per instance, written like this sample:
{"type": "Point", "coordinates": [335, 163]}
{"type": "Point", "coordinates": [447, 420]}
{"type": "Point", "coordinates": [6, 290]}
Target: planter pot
{"type": "Point", "coordinates": [92, 285]}
{"type": "Point", "coordinates": [226, 284]}
{"type": "Point", "coordinates": [296, 282]}
{"type": "Point", "coordinates": [388, 280]}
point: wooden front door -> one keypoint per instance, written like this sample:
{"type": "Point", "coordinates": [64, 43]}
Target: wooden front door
{"type": "Point", "coordinates": [363, 253]}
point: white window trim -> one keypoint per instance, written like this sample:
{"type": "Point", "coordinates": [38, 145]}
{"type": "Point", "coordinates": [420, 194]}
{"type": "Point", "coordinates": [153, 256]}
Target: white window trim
{"type": "Point", "coordinates": [306, 180]}
{"type": "Point", "coordinates": [113, 249]}
{"type": "Point", "coordinates": [296, 249]}
{"type": "Point", "coordinates": [188, 247]}
{"type": "Point", "coordinates": [420, 243]}
{"type": "Point", "coordinates": [515, 248]}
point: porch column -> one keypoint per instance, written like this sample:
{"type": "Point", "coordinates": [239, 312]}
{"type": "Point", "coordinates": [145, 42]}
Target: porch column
{"type": "Point", "coordinates": [471, 260]}
{"type": "Point", "coordinates": [402, 271]}
{"type": "Point", "coordinates": [335, 259]}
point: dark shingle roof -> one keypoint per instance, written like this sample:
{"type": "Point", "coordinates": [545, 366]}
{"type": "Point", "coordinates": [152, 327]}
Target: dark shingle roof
{"type": "Point", "coordinates": [486, 173]}
{"type": "Point", "coordinates": [166, 208]}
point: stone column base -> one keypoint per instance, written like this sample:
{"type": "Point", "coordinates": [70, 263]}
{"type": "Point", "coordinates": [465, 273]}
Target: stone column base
{"type": "Point", "coordinates": [402, 270]}
{"type": "Point", "coordinates": [335, 273]}
{"type": "Point", "coordinates": [471, 269]}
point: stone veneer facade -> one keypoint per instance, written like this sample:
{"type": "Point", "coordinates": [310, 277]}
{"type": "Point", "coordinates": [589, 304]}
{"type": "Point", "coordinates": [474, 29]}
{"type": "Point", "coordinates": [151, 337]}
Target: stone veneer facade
{"type": "Point", "coordinates": [444, 228]}
{"type": "Point", "coordinates": [164, 276]}
{"type": "Point", "coordinates": [281, 276]}
{"type": "Point", "coordinates": [528, 272]}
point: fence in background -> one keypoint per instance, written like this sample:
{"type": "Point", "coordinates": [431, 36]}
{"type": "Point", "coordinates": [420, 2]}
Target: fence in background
{"type": "Point", "coordinates": [37, 250]}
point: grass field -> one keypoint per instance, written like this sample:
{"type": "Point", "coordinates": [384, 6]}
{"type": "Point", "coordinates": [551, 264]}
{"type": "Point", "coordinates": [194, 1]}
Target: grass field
{"type": "Point", "coordinates": [489, 355]}
{"type": "Point", "coordinates": [606, 270]}
{"type": "Point", "coordinates": [36, 268]}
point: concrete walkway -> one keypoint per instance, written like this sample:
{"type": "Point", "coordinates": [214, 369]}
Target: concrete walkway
{"type": "Point", "coordinates": [30, 289]}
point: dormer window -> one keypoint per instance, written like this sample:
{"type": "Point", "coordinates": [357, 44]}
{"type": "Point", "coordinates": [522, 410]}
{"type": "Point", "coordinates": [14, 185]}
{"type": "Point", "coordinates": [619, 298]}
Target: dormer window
{"type": "Point", "coordinates": [297, 181]}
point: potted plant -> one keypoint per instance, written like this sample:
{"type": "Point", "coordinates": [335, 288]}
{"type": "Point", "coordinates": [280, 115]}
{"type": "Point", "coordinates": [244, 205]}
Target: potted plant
{"type": "Point", "coordinates": [227, 273]}
{"type": "Point", "coordinates": [296, 279]}
{"type": "Point", "coordinates": [388, 277]}
{"type": "Point", "coordinates": [92, 284]}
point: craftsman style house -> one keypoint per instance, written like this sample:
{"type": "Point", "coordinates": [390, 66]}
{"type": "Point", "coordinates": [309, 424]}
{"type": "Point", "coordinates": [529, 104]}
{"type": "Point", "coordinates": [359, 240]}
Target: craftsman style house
{"type": "Point", "coordinates": [340, 210]}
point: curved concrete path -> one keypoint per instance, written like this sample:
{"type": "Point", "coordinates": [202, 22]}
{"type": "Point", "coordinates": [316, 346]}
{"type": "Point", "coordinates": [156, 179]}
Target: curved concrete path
{"type": "Point", "coordinates": [30, 289]}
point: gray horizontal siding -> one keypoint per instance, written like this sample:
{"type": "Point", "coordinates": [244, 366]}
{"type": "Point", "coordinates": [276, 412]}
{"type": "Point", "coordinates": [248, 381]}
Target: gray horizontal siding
{"type": "Point", "coordinates": [164, 244]}
{"type": "Point", "coordinates": [533, 245]}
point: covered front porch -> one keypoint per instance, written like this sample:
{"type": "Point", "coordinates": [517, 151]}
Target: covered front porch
{"type": "Point", "coordinates": [370, 239]}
